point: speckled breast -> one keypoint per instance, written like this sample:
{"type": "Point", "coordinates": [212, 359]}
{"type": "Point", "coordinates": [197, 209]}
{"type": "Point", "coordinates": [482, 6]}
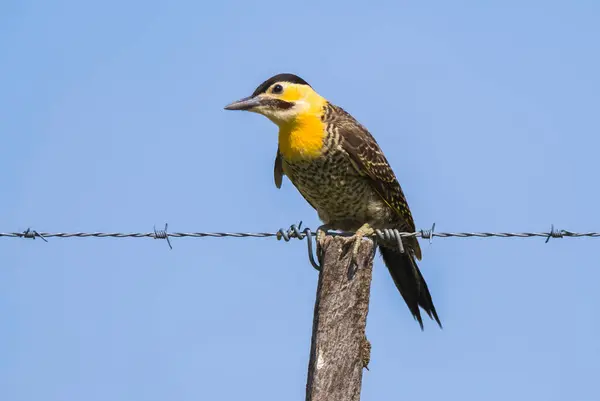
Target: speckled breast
{"type": "Point", "coordinates": [332, 185]}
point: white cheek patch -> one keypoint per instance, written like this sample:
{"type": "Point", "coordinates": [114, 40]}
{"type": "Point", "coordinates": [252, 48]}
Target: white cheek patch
{"type": "Point", "coordinates": [301, 104]}
{"type": "Point", "coordinates": [279, 116]}
{"type": "Point", "coordinates": [287, 115]}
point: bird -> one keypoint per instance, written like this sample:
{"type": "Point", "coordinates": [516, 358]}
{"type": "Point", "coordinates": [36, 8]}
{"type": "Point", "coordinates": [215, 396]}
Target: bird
{"type": "Point", "coordinates": [339, 168]}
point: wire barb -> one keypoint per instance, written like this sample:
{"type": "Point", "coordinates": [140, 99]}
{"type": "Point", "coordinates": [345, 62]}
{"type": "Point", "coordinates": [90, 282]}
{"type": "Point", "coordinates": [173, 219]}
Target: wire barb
{"type": "Point", "coordinates": [428, 234]}
{"type": "Point", "coordinates": [294, 232]}
{"type": "Point", "coordinates": [554, 234]}
{"type": "Point", "coordinates": [29, 233]}
{"type": "Point", "coordinates": [162, 234]}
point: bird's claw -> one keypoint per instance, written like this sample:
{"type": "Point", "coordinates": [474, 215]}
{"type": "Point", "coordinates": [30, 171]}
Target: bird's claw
{"type": "Point", "coordinates": [364, 231]}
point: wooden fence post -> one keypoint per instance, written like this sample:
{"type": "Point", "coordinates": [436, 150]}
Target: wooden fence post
{"type": "Point", "coordinates": [339, 347]}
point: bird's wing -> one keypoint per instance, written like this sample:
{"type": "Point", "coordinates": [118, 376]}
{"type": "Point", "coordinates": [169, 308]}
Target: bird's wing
{"type": "Point", "coordinates": [278, 170]}
{"type": "Point", "coordinates": [370, 162]}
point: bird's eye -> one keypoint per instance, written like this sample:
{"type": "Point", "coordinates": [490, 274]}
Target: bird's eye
{"type": "Point", "coordinates": [277, 89]}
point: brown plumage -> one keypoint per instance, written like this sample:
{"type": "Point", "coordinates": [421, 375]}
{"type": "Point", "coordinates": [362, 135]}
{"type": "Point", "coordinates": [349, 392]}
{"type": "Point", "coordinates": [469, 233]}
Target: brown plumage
{"type": "Point", "coordinates": [355, 157]}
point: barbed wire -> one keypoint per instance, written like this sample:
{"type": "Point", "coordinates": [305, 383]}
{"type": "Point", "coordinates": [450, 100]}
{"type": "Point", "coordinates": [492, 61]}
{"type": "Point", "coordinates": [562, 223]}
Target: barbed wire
{"type": "Point", "coordinates": [295, 231]}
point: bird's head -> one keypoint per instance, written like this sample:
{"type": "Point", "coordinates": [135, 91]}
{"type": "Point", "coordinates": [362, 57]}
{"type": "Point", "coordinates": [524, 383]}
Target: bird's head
{"type": "Point", "coordinates": [281, 98]}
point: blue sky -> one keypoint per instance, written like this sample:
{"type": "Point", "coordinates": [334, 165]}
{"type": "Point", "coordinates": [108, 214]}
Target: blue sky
{"type": "Point", "coordinates": [111, 119]}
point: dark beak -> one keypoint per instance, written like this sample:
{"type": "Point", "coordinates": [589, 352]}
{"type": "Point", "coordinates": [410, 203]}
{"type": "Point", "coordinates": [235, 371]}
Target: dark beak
{"type": "Point", "coordinates": [246, 103]}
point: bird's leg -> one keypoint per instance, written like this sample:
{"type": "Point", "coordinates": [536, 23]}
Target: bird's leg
{"type": "Point", "coordinates": [364, 231]}
{"type": "Point", "coordinates": [321, 233]}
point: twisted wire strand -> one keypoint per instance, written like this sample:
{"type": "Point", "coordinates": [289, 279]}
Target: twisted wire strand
{"type": "Point", "coordinates": [387, 234]}
{"type": "Point", "coordinates": [392, 236]}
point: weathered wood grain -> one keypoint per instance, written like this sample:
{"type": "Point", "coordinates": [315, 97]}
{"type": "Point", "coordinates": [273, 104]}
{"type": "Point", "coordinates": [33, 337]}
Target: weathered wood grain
{"type": "Point", "coordinates": [339, 348]}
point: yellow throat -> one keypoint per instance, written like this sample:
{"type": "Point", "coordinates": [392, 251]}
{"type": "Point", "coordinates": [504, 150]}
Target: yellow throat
{"type": "Point", "coordinates": [302, 138]}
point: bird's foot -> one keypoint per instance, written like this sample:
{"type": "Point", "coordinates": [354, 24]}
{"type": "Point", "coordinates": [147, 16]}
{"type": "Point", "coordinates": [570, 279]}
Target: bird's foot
{"type": "Point", "coordinates": [321, 234]}
{"type": "Point", "coordinates": [364, 231]}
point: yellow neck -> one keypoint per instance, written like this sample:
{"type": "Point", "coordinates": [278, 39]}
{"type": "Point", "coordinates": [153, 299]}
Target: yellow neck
{"type": "Point", "coordinates": [303, 137]}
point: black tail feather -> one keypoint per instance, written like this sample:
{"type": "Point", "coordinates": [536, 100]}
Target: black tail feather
{"type": "Point", "coordinates": [410, 282]}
